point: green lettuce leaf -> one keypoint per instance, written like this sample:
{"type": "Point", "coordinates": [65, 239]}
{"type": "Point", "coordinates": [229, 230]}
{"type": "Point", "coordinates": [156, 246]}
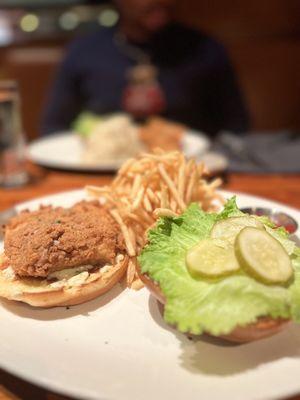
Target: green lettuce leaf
{"type": "Point", "coordinates": [282, 236]}
{"type": "Point", "coordinates": [85, 123]}
{"type": "Point", "coordinates": [217, 307]}
{"type": "Point", "coordinates": [266, 221]}
{"type": "Point", "coordinates": [230, 210]}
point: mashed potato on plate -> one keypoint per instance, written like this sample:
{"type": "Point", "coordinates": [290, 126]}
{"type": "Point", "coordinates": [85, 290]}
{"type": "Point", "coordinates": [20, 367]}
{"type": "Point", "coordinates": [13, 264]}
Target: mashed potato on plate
{"type": "Point", "coordinates": [115, 138]}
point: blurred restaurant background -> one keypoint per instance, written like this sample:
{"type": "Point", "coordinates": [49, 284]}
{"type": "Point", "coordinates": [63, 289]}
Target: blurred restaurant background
{"type": "Point", "coordinates": [262, 39]}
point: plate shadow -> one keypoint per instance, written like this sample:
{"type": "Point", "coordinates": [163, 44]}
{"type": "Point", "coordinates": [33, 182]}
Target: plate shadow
{"type": "Point", "coordinates": [216, 357]}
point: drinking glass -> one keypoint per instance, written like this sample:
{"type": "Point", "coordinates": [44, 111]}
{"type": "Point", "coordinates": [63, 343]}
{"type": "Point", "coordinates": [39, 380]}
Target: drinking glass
{"type": "Point", "coordinates": [12, 142]}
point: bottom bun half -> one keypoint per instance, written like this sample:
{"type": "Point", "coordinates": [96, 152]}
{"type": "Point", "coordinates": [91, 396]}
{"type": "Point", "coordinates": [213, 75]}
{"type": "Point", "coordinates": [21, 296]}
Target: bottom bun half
{"type": "Point", "coordinates": [262, 328]}
{"type": "Point", "coordinates": [40, 293]}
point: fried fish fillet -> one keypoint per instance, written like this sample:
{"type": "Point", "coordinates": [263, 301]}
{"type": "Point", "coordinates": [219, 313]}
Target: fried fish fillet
{"type": "Point", "coordinates": [51, 239]}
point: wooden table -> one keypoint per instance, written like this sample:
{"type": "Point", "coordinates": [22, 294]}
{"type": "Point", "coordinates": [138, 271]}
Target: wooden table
{"type": "Point", "coordinates": [282, 188]}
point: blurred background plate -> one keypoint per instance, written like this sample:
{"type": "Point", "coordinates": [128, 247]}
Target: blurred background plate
{"type": "Point", "coordinates": [63, 151]}
{"type": "Point", "coordinates": [215, 162]}
{"type": "Point", "coordinates": [195, 143]}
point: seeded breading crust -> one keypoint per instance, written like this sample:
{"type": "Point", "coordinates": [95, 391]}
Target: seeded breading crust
{"type": "Point", "coordinates": [51, 239]}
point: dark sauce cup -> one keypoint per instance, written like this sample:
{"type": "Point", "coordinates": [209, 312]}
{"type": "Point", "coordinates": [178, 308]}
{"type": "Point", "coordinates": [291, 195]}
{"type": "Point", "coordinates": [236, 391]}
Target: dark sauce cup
{"type": "Point", "coordinates": [278, 217]}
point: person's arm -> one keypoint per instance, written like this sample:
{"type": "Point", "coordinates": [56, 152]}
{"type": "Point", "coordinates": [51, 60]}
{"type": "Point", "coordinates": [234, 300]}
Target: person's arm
{"type": "Point", "coordinates": [65, 100]}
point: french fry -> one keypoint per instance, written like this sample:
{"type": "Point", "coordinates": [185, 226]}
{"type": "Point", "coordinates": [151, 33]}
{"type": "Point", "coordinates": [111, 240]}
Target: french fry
{"type": "Point", "coordinates": [137, 219]}
{"type": "Point", "coordinates": [164, 201]}
{"type": "Point", "coordinates": [181, 178]}
{"type": "Point", "coordinates": [138, 199]}
{"type": "Point", "coordinates": [153, 198]}
{"type": "Point", "coordinates": [190, 186]}
{"type": "Point", "coordinates": [215, 183]}
{"type": "Point", "coordinates": [96, 190]}
{"type": "Point", "coordinates": [147, 204]}
{"type": "Point", "coordinates": [132, 237]}
{"type": "Point", "coordinates": [201, 168]}
{"type": "Point", "coordinates": [145, 216]}
{"type": "Point", "coordinates": [171, 186]}
{"type": "Point", "coordinates": [130, 271]}
{"type": "Point", "coordinates": [137, 284]}
{"type": "Point", "coordinates": [125, 167]}
{"type": "Point", "coordinates": [151, 186]}
{"type": "Point", "coordinates": [164, 212]}
{"type": "Point", "coordinates": [173, 205]}
{"type": "Point", "coordinates": [124, 229]}
{"type": "Point", "coordinates": [136, 185]}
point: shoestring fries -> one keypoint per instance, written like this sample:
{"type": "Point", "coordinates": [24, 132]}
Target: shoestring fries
{"type": "Point", "coordinates": [149, 187]}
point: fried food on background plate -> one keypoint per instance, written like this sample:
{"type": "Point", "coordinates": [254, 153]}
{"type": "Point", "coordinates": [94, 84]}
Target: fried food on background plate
{"type": "Point", "coordinates": [159, 132]}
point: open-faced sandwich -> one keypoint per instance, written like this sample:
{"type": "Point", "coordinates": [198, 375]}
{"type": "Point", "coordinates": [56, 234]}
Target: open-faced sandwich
{"type": "Point", "coordinates": [227, 274]}
{"type": "Point", "coordinates": [61, 256]}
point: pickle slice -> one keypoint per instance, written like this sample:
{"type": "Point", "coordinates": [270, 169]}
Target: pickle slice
{"type": "Point", "coordinates": [230, 227]}
{"type": "Point", "coordinates": [212, 258]}
{"type": "Point", "coordinates": [263, 256]}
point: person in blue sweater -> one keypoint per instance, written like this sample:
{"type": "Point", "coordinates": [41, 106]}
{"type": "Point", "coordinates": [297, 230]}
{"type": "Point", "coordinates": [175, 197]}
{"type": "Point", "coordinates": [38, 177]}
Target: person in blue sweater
{"type": "Point", "coordinates": [148, 65]}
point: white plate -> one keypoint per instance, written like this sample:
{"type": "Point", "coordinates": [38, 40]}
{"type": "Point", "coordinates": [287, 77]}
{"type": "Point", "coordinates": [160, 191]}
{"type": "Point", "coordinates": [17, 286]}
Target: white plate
{"type": "Point", "coordinates": [215, 162]}
{"type": "Point", "coordinates": [64, 150]}
{"type": "Point", "coordinates": [118, 347]}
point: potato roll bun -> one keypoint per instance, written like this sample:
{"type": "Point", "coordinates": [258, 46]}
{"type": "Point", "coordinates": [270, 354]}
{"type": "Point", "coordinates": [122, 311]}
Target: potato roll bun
{"type": "Point", "coordinates": [81, 287]}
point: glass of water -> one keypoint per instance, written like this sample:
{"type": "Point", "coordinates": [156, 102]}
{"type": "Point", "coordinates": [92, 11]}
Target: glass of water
{"type": "Point", "coordinates": [12, 142]}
